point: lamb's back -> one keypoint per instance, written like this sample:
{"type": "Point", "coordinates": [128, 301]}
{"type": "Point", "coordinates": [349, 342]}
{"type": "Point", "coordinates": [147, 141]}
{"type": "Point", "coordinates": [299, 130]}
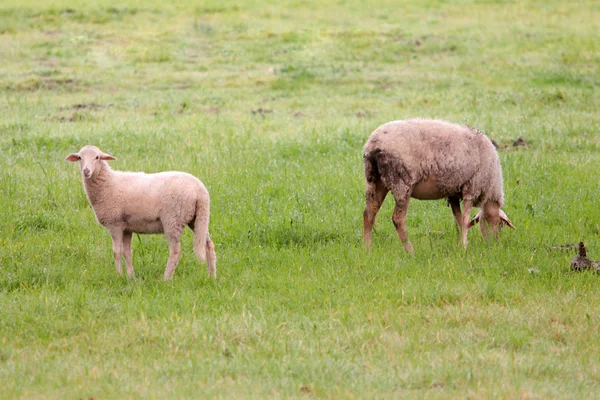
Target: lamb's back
{"type": "Point", "coordinates": [155, 195]}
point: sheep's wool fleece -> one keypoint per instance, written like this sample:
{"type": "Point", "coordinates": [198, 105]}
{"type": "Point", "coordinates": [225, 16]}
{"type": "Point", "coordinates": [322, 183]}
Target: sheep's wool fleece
{"type": "Point", "coordinates": [410, 151]}
{"type": "Point", "coordinates": [146, 203]}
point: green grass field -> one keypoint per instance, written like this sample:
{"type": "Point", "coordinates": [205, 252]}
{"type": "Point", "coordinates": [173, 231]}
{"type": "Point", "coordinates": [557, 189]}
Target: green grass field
{"type": "Point", "coordinates": [270, 105]}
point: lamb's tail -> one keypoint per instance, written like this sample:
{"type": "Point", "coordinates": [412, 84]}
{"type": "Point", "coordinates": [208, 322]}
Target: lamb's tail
{"type": "Point", "coordinates": [203, 246]}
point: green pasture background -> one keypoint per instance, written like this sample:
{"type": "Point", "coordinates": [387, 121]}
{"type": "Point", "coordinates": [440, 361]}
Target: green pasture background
{"type": "Point", "coordinates": [269, 104]}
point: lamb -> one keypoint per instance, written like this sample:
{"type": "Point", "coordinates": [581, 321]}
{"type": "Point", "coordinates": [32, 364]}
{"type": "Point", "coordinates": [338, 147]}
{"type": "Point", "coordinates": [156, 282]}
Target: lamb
{"type": "Point", "coordinates": [135, 202]}
{"type": "Point", "coordinates": [430, 160]}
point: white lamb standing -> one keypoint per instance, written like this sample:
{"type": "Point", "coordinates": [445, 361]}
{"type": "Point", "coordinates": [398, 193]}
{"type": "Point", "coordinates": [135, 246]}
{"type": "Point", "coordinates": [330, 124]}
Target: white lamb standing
{"type": "Point", "coordinates": [136, 202]}
{"type": "Point", "coordinates": [430, 160]}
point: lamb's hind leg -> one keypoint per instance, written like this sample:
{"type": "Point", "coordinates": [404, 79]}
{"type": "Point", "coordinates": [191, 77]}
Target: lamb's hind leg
{"type": "Point", "coordinates": [173, 238]}
{"type": "Point", "coordinates": [402, 197]}
{"type": "Point", "coordinates": [211, 259]}
{"type": "Point", "coordinates": [375, 196]}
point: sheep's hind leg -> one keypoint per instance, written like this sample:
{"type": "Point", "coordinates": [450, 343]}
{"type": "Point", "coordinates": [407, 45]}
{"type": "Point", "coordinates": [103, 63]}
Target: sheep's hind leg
{"type": "Point", "coordinates": [127, 253]}
{"type": "Point", "coordinates": [375, 196]}
{"type": "Point", "coordinates": [399, 218]}
{"type": "Point", "coordinates": [174, 252]}
{"type": "Point", "coordinates": [117, 242]}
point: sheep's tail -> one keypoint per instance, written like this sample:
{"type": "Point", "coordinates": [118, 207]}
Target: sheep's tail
{"type": "Point", "coordinates": [203, 246]}
{"type": "Point", "coordinates": [371, 169]}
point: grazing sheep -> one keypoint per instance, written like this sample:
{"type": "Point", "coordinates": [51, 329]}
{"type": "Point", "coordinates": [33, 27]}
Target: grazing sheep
{"type": "Point", "coordinates": [430, 160]}
{"type": "Point", "coordinates": [135, 202]}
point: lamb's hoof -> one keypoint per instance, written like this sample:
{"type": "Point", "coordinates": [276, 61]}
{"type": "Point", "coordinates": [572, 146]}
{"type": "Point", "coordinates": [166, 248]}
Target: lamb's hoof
{"type": "Point", "coordinates": [408, 248]}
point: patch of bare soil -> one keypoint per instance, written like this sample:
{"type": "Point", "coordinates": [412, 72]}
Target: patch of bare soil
{"type": "Point", "coordinates": [262, 111]}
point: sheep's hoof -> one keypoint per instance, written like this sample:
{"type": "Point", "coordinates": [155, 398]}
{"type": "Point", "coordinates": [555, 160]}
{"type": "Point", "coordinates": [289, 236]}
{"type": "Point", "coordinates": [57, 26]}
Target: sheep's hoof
{"type": "Point", "coordinates": [408, 247]}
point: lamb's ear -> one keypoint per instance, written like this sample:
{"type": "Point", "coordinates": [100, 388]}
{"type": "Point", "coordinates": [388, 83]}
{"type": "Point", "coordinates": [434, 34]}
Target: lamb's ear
{"type": "Point", "coordinates": [505, 219]}
{"type": "Point", "coordinates": [474, 220]}
{"type": "Point", "coordinates": [107, 157]}
{"type": "Point", "coordinates": [73, 157]}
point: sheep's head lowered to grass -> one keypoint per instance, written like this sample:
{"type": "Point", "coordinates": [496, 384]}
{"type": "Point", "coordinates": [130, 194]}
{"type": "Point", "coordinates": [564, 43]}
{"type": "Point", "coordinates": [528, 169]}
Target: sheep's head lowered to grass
{"type": "Point", "coordinates": [493, 220]}
{"type": "Point", "coordinates": [90, 160]}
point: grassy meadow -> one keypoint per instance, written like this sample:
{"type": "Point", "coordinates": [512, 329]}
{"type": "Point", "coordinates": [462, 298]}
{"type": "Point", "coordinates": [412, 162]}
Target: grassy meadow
{"type": "Point", "coordinates": [269, 104]}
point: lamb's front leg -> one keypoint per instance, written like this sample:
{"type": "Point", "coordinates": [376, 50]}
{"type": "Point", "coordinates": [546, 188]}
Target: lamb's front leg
{"type": "Point", "coordinates": [127, 253]}
{"type": "Point", "coordinates": [117, 243]}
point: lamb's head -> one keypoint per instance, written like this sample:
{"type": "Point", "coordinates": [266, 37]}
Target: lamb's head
{"type": "Point", "coordinates": [493, 221]}
{"type": "Point", "coordinates": [90, 160]}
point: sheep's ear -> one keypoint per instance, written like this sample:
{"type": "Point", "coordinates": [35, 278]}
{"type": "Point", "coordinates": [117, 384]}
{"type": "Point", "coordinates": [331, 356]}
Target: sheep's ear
{"type": "Point", "coordinates": [73, 157]}
{"type": "Point", "coordinates": [505, 219]}
{"type": "Point", "coordinates": [474, 220]}
{"type": "Point", "coordinates": [107, 157]}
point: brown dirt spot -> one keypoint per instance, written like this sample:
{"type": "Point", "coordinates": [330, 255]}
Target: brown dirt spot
{"type": "Point", "coordinates": [362, 114]}
{"type": "Point", "coordinates": [569, 246]}
{"type": "Point", "coordinates": [89, 106]}
{"type": "Point", "coordinates": [305, 389]}
{"type": "Point", "coordinates": [262, 111]}
{"type": "Point", "coordinates": [211, 110]}
{"type": "Point", "coordinates": [527, 395]}
{"type": "Point", "coordinates": [519, 142]}
{"type": "Point", "coordinates": [34, 84]}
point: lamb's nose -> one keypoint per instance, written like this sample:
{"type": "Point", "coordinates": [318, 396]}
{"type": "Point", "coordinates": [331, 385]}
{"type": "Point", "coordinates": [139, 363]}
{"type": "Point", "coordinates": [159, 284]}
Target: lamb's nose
{"type": "Point", "coordinates": [86, 172]}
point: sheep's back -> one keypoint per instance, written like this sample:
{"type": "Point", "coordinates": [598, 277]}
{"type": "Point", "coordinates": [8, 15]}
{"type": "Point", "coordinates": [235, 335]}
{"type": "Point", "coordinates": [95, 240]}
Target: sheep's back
{"type": "Point", "coordinates": [449, 153]}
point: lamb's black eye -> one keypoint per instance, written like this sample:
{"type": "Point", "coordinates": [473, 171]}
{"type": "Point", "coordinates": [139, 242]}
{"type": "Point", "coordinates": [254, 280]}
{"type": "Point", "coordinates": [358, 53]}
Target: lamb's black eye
{"type": "Point", "coordinates": [97, 157]}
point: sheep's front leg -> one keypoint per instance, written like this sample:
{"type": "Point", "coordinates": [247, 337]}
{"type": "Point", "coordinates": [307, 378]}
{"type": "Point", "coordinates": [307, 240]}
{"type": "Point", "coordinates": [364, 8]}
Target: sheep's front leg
{"type": "Point", "coordinates": [174, 252]}
{"type": "Point", "coordinates": [455, 205]}
{"type": "Point", "coordinates": [375, 196]}
{"type": "Point", "coordinates": [464, 226]}
{"type": "Point", "coordinates": [127, 253]}
{"type": "Point", "coordinates": [399, 220]}
{"type": "Point", "coordinates": [117, 242]}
